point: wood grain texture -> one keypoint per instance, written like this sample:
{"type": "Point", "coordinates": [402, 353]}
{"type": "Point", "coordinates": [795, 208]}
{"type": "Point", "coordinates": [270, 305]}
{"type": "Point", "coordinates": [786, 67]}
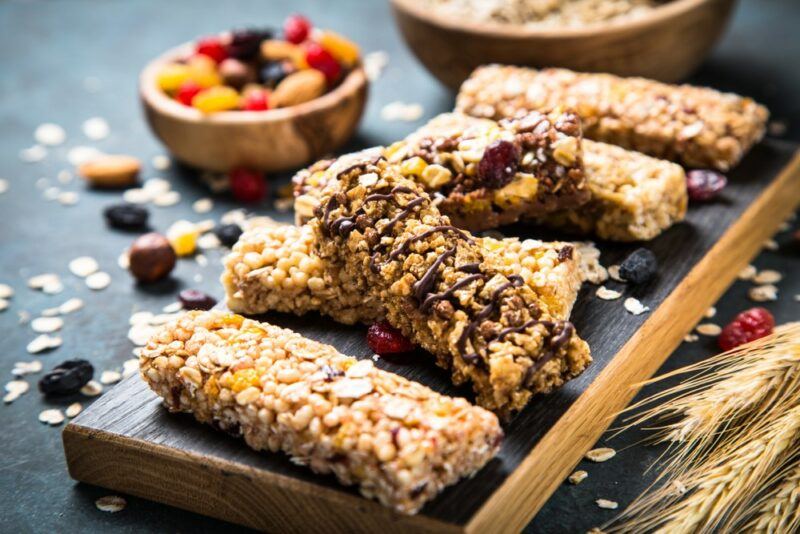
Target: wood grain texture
{"type": "Point", "coordinates": [276, 140]}
{"type": "Point", "coordinates": [665, 45]}
{"type": "Point", "coordinates": [127, 442]}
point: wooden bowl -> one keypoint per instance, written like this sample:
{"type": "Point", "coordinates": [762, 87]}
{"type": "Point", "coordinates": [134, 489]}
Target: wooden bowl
{"type": "Point", "coordinates": [274, 140]}
{"type": "Point", "coordinates": [666, 44]}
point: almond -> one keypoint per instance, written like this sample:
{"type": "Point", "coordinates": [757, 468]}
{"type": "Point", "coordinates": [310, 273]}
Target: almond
{"type": "Point", "coordinates": [111, 171]}
{"type": "Point", "coordinates": [277, 50]}
{"type": "Point", "coordinates": [299, 87]}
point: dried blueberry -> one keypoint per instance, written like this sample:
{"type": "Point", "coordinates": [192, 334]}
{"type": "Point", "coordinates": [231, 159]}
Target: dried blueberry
{"type": "Point", "coordinates": [245, 43]}
{"type": "Point", "coordinates": [126, 216]}
{"type": "Point", "coordinates": [498, 164]}
{"type": "Point", "coordinates": [639, 267]}
{"type": "Point", "coordinates": [273, 73]}
{"type": "Point", "coordinates": [193, 299]}
{"type": "Point", "coordinates": [703, 185]}
{"type": "Point", "coordinates": [68, 377]}
{"type": "Point", "coordinates": [228, 234]}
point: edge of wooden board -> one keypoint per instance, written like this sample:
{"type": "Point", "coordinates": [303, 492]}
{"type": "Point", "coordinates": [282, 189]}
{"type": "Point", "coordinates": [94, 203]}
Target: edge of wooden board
{"type": "Point", "coordinates": [259, 499]}
{"type": "Point", "coordinates": [529, 486]}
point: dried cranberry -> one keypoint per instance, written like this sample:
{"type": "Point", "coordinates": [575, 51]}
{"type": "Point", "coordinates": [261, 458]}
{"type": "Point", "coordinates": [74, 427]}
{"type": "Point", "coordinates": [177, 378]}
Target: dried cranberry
{"type": "Point", "coordinates": [296, 29]}
{"type": "Point", "coordinates": [126, 216]}
{"type": "Point", "coordinates": [748, 326]}
{"type": "Point", "coordinates": [255, 101]}
{"type": "Point", "coordinates": [383, 338]}
{"type": "Point", "coordinates": [245, 43]}
{"type": "Point", "coordinates": [194, 299]}
{"type": "Point", "coordinates": [212, 47]}
{"type": "Point", "coordinates": [639, 267]}
{"type": "Point", "coordinates": [228, 234]}
{"type": "Point", "coordinates": [247, 185]}
{"type": "Point", "coordinates": [704, 185]}
{"type": "Point", "coordinates": [498, 164]}
{"type": "Point", "coordinates": [68, 377]}
{"type": "Point", "coordinates": [187, 91]}
{"type": "Point", "coordinates": [320, 59]}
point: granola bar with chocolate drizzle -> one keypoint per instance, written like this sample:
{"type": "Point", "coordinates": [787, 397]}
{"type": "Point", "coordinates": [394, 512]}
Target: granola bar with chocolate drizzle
{"type": "Point", "coordinates": [488, 328]}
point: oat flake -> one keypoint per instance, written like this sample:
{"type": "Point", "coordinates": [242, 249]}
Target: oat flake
{"type": "Point", "coordinates": [691, 338]}
{"type": "Point", "coordinates": [92, 388]}
{"type": "Point", "coordinates": [50, 134]}
{"type": "Point", "coordinates": [160, 162]}
{"type": "Point", "coordinates": [139, 334]}
{"type": "Point", "coordinates": [71, 305]}
{"type": "Point", "coordinates": [709, 329]}
{"type": "Point", "coordinates": [166, 199]}
{"type": "Point", "coordinates": [400, 111]}
{"type": "Point", "coordinates": [83, 266]}
{"type": "Point", "coordinates": [767, 276]}
{"type": "Point", "coordinates": [96, 128]}
{"type": "Point", "coordinates": [53, 417]}
{"type": "Point", "coordinates": [26, 368]}
{"type": "Point", "coordinates": [203, 205]}
{"type": "Point", "coordinates": [747, 273]}
{"type": "Point", "coordinates": [82, 154]}
{"type": "Point", "coordinates": [578, 476]}
{"type": "Point", "coordinates": [6, 291]}
{"type": "Point", "coordinates": [613, 273]}
{"type": "Point", "coordinates": [98, 281]}
{"type": "Point", "coordinates": [15, 389]}
{"type": "Point", "coordinates": [73, 409]}
{"type": "Point", "coordinates": [606, 504]}
{"type": "Point", "coordinates": [634, 306]}
{"type": "Point", "coordinates": [607, 294]}
{"type": "Point", "coordinates": [3, 185]}
{"type": "Point", "coordinates": [771, 244]}
{"type": "Point", "coordinates": [33, 154]}
{"type": "Point", "coordinates": [173, 308]}
{"type": "Point", "coordinates": [130, 367]}
{"type": "Point", "coordinates": [711, 312]}
{"type": "Point", "coordinates": [601, 454]}
{"type": "Point", "coordinates": [137, 195]}
{"type": "Point", "coordinates": [3, 305]}
{"type": "Point", "coordinates": [110, 377]}
{"type": "Point", "coordinates": [47, 325]}
{"type": "Point", "coordinates": [763, 293]}
{"type": "Point", "coordinates": [42, 343]}
{"type": "Point", "coordinates": [110, 504]}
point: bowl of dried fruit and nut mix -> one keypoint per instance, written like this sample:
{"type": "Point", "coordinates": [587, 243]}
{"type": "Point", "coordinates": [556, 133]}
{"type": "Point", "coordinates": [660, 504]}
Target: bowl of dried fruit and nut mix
{"type": "Point", "coordinates": [256, 98]}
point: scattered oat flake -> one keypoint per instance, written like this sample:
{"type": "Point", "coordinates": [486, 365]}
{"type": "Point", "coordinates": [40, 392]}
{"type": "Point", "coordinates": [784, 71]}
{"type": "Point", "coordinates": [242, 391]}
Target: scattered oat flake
{"type": "Point", "coordinates": [110, 377]}
{"type": "Point", "coordinates": [3, 305]}
{"type": "Point", "coordinates": [747, 273]}
{"type": "Point", "coordinates": [141, 317]}
{"type": "Point", "coordinates": [92, 388]}
{"type": "Point", "coordinates": [110, 503]}
{"type": "Point", "coordinates": [96, 128]}
{"type": "Point", "coordinates": [203, 205]}
{"type": "Point", "coordinates": [401, 111]}
{"type": "Point", "coordinates": [26, 368]}
{"type": "Point", "coordinates": [709, 329]}
{"type": "Point", "coordinates": [130, 367]}
{"type": "Point", "coordinates": [201, 260]}
{"type": "Point", "coordinates": [42, 343]}
{"type": "Point", "coordinates": [71, 305]}
{"type": "Point", "coordinates": [33, 154]}
{"type": "Point", "coordinates": [49, 312]}
{"type": "Point", "coordinates": [40, 281]}
{"type": "Point", "coordinates": [606, 504]}
{"type": "Point", "coordinates": [613, 273]}
{"type": "Point", "coordinates": [124, 261]}
{"type": "Point", "coordinates": [634, 306]}
{"type": "Point", "coordinates": [166, 199]}
{"type": "Point", "coordinates": [173, 308]}
{"type": "Point", "coordinates": [53, 417]}
{"type": "Point", "coordinates": [83, 266]}
{"type": "Point", "coordinates": [767, 276]}
{"type": "Point", "coordinates": [82, 154]}
{"type": "Point", "coordinates": [160, 162]}
{"type": "Point", "coordinates": [51, 193]}
{"type": "Point", "coordinates": [607, 294]}
{"type": "Point", "coordinates": [3, 185]}
{"type": "Point", "coordinates": [68, 198]}
{"type": "Point", "coordinates": [797, 297]}
{"type": "Point", "coordinates": [156, 186]}
{"type": "Point", "coordinates": [578, 476]}
{"type": "Point", "coordinates": [14, 390]}
{"type": "Point", "coordinates": [137, 195]}
{"type": "Point", "coordinates": [601, 454]}
{"type": "Point", "coordinates": [691, 338]}
{"type": "Point", "coordinates": [139, 334]}
{"type": "Point", "coordinates": [208, 241]}
{"type": "Point", "coordinates": [47, 325]}
{"type": "Point", "coordinates": [785, 225]}
{"type": "Point", "coordinates": [374, 63]}
{"type": "Point", "coordinates": [49, 134]}
{"type": "Point", "coordinates": [763, 293]}
{"type": "Point", "coordinates": [73, 410]}
{"type": "Point", "coordinates": [711, 312]}
{"type": "Point", "coordinates": [98, 281]}
{"type": "Point", "coordinates": [6, 291]}
{"type": "Point", "coordinates": [64, 176]}
{"type": "Point", "coordinates": [771, 244]}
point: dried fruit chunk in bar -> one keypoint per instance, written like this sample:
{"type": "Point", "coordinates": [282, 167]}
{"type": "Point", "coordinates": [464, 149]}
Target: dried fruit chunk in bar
{"type": "Point", "coordinates": [633, 197]}
{"type": "Point", "coordinates": [486, 174]}
{"type": "Point", "coordinates": [273, 267]}
{"type": "Point", "coordinates": [696, 126]}
{"type": "Point", "coordinates": [489, 329]}
{"type": "Point", "coordinates": [398, 441]}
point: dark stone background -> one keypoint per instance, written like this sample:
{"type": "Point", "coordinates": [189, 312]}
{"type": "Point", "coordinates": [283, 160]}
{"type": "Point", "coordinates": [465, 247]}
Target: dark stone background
{"type": "Point", "coordinates": [48, 49]}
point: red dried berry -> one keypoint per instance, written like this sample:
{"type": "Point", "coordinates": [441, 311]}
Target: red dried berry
{"type": "Point", "coordinates": [194, 299]}
{"type": "Point", "coordinates": [498, 164]}
{"type": "Point", "coordinates": [255, 101]}
{"type": "Point", "coordinates": [704, 185]}
{"type": "Point", "coordinates": [247, 185]}
{"type": "Point", "coordinates": [296, 29]}
{"type": "Point", "coordinates": [383, 339]}
{"type": "Point", "coordinates": [320, 59]}
{"type": "Point", "coordinates": [748, 326]}
{"type": "Point", "coordinates": [212, 47]}
{"type": "Point", "coordinates": [187, 92]}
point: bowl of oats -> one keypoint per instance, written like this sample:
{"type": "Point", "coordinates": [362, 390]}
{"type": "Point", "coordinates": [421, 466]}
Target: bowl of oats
{"type": "Point", "coordinates": [662, 40]}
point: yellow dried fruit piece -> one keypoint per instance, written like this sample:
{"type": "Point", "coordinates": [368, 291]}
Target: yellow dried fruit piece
{"type": "Point", "coordinates": [342, 49]}
{"type": "Point", "coordinates": [413, 167]}
{"type": "Point", "coordinates": [298, 87]}
{"type": "Point", "coordinates": [182, 235]}
{"type": "Point", "coordinates": [213, 99]}
{"type": "Point", "coordinates": [244, 379]}
{"type": "Point", "coordinates": [435, 176]}
{"type": "Point", "coordinates": [172, 75]}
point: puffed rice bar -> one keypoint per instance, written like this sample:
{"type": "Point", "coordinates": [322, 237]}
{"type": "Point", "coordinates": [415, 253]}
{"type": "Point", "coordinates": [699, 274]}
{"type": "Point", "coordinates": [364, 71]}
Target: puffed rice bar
{"type": "Point", "coordinates": [696, 126]}
{"type": "Point", "coordinates": [398, 441]}
{"type": "Point", "coordinates": [488, 329]}
{"type": "Point", "coordinates": [273, 267]}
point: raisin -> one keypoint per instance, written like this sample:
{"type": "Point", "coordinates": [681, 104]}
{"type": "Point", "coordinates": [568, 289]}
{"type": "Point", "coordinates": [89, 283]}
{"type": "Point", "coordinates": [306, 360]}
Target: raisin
{"type": "Point", "coordinates": [748, 326]}
{"type": "Point", "coordinates": [245, 43]}
{"type": "Point", "coordinates": [498, 164]}
{"type": "Point", "coordinates": [639, 267]}
{"type": "Point", "coordinates": [126, 216]}
{"type": "Point", "coordinates": [383, 338]}
{"type": "Point", "coordinates": [228, 234]}
{"type": "Point", "coordinates": [68, 377]}
{"type": "Point", "coordinates": [194, 299]}
{"type": "Point", "coordinates": [704, 185]}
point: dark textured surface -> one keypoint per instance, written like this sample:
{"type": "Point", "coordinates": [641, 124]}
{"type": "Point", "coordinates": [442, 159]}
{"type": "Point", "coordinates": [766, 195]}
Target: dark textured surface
{"type": "Point", "coordinates": [48, 49]}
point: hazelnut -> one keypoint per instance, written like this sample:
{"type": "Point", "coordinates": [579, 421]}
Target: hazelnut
{"type": "Point", "coordinates": [151, 257]}
{"type": "Point", "coordinates": [235, 73]}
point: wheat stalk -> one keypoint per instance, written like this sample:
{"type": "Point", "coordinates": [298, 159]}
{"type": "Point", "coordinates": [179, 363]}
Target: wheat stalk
{"type": "Point", "coordinates": [779, 509]}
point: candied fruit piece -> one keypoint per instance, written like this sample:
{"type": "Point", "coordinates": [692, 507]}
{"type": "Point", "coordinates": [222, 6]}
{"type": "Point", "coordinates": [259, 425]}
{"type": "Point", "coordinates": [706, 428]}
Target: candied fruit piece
{"type": "Point", "coordinates": [704, 185]}
{"type": "Point", "coordinates": [212, 47]}
{"type": "Point", "coordinates": [203, 71]}
{"type": "Point", "coordinates": [182, 236]}
{"type": "Point", "coordinates": [255, 101]}
{"type": "Point", "coordinates": [172, 75]}
{"type": "Point", "coordinates": [344, 50]}
{"type": "Point", "coordinates": [748, 326]}
{"type": "Point", "coordinates": [187, 91]}
{"type": "Point", "coordinates": [498, 165]}
{"type": "Point", "coordinates": [247, 185]}
{"type": "Point", "coordinates": [296, 28]}
{"type": "Point", "coordinates": [383, 339]}
{"type": "Point", "coordinates": [219, 98]}
{"type": "Point", "coordinates": [320, 59]}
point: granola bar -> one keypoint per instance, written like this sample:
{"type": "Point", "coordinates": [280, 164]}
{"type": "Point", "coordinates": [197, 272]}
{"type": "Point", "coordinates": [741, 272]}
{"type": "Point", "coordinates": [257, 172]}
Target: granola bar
{"type": "Point", "coordinates": [273, 267]}
{"type": "Point", "coordinates": [449, 158]}
{"type": "Point", "coordinates": [490, 329]}
{"type": "Point", "coordinates": [633, 197]}
{"type": "Point", "coordinates": [696, 126]}
{"type": "Point", "coordinates": [398, 441]}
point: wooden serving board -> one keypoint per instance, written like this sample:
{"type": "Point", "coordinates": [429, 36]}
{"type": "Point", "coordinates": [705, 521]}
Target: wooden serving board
{"type": "Point", "coordinates": [127, 442]}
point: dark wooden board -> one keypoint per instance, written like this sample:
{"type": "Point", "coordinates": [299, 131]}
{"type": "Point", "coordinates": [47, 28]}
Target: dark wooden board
{"type": "Point", "coordinates": [698, 258]}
